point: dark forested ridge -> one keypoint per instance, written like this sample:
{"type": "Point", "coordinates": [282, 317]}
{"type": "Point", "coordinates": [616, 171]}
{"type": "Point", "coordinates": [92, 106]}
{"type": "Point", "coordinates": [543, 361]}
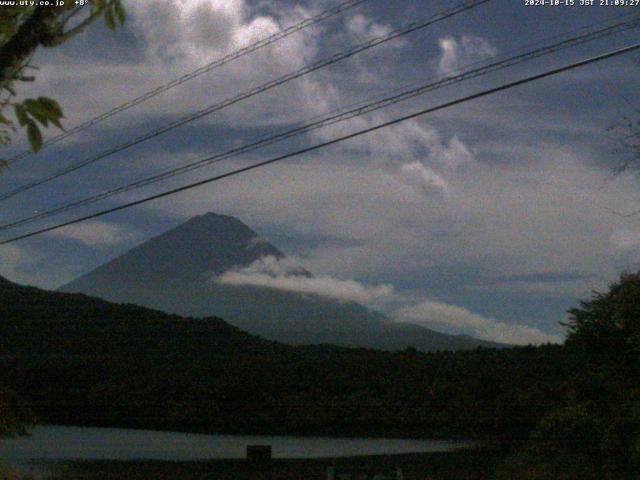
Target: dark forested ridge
{"type": "Point", "coordinates": [553, 409]}
{"type": "Point", "coordinates": [82, 360]}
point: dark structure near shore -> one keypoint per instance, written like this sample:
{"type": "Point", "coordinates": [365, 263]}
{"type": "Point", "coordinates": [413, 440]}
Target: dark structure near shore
{"type": "Point", "coordinates": [259, 453]}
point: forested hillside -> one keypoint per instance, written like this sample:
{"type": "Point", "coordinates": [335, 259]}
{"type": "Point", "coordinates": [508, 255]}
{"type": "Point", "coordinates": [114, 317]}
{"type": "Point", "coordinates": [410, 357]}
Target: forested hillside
{"type": "Point", "coordinates": [78, 360]}
{"type": "Point", "coordinates": [81, 360]}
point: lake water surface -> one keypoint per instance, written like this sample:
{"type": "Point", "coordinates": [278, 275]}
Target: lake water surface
{"type": "Point", "coordinates": [56, 444]}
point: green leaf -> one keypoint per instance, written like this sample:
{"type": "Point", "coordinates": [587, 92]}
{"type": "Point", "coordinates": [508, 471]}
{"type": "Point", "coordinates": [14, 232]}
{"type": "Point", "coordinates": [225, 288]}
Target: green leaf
{"type": "Point", "coordinates": [96, 6]}
{"type": "Point", "coordinates": [21, 114]}
{"type": "Point", "coordinates": [49, 109]}
{"type": "Point", "coordinates": [4, 120]}
{"type": "Point", "coordinates": [38, 111]}
{"type": "Point", "coordinates": [119, 11]}
{"type": "Point", "coordinates": [52, 106]}
{"type": "Point", "coordinates": [34, 135]}
{"type": "Point", "coordinates": [57, 123]}
{"type": "Point", "coordinates": [109, 19]}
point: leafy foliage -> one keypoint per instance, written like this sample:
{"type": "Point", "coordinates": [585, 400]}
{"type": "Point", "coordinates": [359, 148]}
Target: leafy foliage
{"type": "Point", "coordinates": [527, 466]}
{"type": "Point", "coordinates": [609, 322]}
{"type": "Point", "coordinates": [33, 111]}
{"type": "Point", "coordinates": [14, 415]}
{"type": "Point", "coordinates": [23, 29]}
{"type": "Point", "coordinates": [598, 424]}
{"type": "Point", "coordinates": [567, 430]}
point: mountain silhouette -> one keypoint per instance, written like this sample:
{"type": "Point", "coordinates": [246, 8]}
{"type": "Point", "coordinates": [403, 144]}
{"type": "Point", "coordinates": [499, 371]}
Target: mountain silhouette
{"type": "Point", "coordinates": [176, 272]}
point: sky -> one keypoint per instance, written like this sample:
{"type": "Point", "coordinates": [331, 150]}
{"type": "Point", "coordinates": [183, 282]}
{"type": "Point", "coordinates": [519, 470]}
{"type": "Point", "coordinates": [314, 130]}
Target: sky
{"type": "Point", "coordinates": [491, 218]}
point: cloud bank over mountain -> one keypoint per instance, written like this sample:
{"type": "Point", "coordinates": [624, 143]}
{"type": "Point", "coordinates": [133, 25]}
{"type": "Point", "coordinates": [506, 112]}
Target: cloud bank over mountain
{"type": "Point", "coordinates": [287, 275]}
{"type": "Point", "coordinates": [284, 275]}
{"type": "Point", "coordinates": [435, 314]}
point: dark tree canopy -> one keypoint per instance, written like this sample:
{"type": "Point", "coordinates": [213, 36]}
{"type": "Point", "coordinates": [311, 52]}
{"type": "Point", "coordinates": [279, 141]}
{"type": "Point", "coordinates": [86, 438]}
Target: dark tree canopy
{"type": "Point", "coordinates": [24, 29]}
{"type": "Point", "coordinates": [609, 321]}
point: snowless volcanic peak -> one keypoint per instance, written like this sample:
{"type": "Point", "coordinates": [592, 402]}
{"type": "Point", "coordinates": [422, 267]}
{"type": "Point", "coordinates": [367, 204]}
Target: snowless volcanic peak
{"type": "Point", "coordinates": [178, 272]}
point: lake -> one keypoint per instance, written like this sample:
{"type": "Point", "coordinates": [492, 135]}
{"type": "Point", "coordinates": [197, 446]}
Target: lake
{"type": "Point", "coordinates": [57, 443]}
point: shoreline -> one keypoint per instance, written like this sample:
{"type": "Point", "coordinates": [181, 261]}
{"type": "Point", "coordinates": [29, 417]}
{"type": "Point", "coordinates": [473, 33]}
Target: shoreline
{"type": "Point", "coordinates": [467, 463]}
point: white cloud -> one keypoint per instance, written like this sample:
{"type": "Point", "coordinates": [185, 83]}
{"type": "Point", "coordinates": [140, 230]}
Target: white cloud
{"type": "Point", "coordinates": [96, 233]}
{"type": "Point", "coordinates": [435, 314]}
{"type": "Point", "coordinates": [176, 37]}
{"type": "Point", "coordinates": [364, 28]}
{"type": "Point", "coordinates": [285, 274]}
{"type": "Point", "coordinates": [455, 54]}
{"type": "Point", "coordinates": [423, 178]}
{"type": "Point", "coordinates": [273, 266]}
{"type": "Point", "coordinates": [453, 154]}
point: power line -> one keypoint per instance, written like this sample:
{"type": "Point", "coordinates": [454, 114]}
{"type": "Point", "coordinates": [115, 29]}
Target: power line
{"type": "Point", "coordinates": [334, 141]}
{"type": "Point", "coordinates": [340, 116]}
{"type": "Point", "coordinates": [407, 29]}
{"type": "Point", "coordinates": [307, 22]}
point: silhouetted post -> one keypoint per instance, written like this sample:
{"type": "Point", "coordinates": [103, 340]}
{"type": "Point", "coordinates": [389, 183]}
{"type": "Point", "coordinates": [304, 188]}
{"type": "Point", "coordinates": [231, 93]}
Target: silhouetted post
{"type": "Point", "coordinates": [259, 453]}
{"type": "Point", "coordinates": [259, 458]}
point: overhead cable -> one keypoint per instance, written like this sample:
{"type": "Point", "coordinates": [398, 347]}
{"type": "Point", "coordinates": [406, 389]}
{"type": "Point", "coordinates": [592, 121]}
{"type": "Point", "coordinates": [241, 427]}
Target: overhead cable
{"type": "Point", "coordinates": [400, 32]}
{"type": "Point", "coordinates": [189, 186]}
{"type": "Point", "coordinates": [332, 119]}
{"type": "Point", "coordinates": [307, 22]}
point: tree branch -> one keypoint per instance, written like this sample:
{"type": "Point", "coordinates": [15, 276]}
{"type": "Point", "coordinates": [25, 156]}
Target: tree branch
{"type": "Point", "coordinates": [63, 37]}
{"type": "Point", "coordinates": [33, 32]}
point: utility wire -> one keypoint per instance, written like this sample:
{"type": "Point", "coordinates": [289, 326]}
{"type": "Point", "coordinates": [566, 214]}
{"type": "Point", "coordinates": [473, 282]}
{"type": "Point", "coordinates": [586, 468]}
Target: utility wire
{"type": "Point", "coordinates": [307, 22]}
{"type": "Point", "coordinates": [483, 93]}
{"type": "Point", "coordinates": [407, 29]}
{"type": "Point", "coordinates": [340, 116]}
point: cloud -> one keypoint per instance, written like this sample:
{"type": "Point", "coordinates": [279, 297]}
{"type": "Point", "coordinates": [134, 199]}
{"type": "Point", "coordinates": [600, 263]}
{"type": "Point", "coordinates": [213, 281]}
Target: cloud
{"type": "Point", "coordinates": [96, 233]}
{"type": "Point", "coordinates": [455, 54]}
{"type": "Point", "coordinates": [540, 211]}
{"type": "Point", "coordinates": [175, 37]}
{"type": "Point", "coordinates": [430, 313]}
{"type": "Point", "coordinates": [364, 27]}
{"type": "Point", "coordinates": [423, 177]}
{"type": "Point", "coordinates": [285, 274]}
{"type": "Point", "coordinates": [273, 266]}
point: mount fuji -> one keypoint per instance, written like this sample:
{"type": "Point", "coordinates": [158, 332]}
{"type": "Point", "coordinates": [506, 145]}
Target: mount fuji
{"type": "Point", "coordinates": [176, 272]}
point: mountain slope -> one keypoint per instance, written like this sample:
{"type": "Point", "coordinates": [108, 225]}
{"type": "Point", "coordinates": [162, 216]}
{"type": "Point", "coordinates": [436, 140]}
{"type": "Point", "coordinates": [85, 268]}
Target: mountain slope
{"type": "Point", "coordinates": [176, 272]}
